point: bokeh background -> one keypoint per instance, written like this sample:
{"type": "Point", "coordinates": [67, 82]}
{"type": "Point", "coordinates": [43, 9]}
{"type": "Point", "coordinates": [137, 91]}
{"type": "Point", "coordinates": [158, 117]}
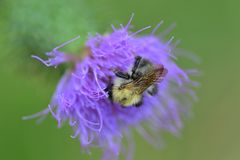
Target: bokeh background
{"type": "Point", "coordinates": [208, 28]}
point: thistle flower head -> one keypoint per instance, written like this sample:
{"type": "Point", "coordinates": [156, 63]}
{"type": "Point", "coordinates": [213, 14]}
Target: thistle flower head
{"type": "Point", "coordinates": [81, 100]}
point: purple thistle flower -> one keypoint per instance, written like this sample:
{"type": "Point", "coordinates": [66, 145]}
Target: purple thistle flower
{"type": "Point", "coordinates": [81, 100]}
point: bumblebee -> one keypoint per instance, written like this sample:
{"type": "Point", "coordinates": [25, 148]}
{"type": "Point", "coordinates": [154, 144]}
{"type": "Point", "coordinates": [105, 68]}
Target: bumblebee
{"type": "Point", "coordinates": [127, 88]}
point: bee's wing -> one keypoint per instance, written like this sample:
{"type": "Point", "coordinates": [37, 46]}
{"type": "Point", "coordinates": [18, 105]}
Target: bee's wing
{"type": "Point", "coordinates": [141, 84]}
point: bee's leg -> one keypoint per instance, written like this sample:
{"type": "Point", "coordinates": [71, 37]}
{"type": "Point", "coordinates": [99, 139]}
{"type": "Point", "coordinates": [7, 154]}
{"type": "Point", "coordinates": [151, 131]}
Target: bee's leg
{"type": "Point", "coordinates": [109, 90]}
{"type": "Point", "coordinates": [136, 64]}
{"type": "Point", "coordinates": [138, 68]}
{"type": "Point", "coordinates": [139, 103]}
{"type": "Point", "coordinates": [122, 75]}
{"type": "Point", "coordinates": [152, 90]}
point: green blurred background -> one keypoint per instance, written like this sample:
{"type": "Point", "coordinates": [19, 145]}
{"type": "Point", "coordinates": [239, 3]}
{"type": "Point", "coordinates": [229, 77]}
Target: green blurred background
{"type": "Point", "coordinates": [208, 28]}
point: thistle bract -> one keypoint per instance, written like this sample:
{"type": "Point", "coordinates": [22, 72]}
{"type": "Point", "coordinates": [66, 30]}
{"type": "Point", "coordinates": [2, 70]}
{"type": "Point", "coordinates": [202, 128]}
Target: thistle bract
{"type": "Point", "coordinates": [80, 98]}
